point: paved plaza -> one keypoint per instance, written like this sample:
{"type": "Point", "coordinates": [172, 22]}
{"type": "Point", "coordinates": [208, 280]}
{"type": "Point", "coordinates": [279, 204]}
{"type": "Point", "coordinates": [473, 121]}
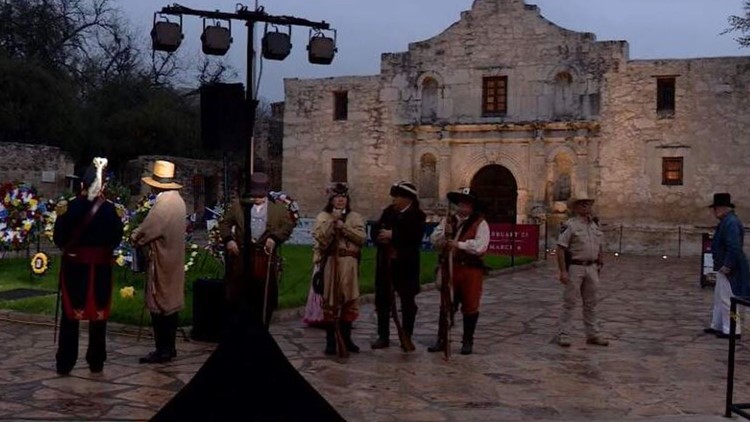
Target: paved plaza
{"type": "Point", "coordinates": [659, 365]}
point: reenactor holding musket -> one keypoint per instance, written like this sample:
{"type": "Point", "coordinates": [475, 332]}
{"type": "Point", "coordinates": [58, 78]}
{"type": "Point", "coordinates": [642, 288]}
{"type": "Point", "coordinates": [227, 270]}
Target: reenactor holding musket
{"type": "Point", "coordinates": [398, 235]}
{"type": "Point", "coordinates": [469, 242]}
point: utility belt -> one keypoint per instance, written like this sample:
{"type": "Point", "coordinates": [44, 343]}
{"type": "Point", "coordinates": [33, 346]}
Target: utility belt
{"type": "Point", "coordinates": [345, 252]}
{"type": "Point", "coordinates": [466, 260]}
{"type": "Point", "coordinates": [90, 256]}
{"type": "Point", "coordinates": [584, 263]}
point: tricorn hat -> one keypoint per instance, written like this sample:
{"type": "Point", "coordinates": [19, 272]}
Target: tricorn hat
{"type": "Point", "coordinates": [163, 176]}
{"type": "Point", "coordinates": [338, 189]}
{"type": "Point", "coordinates": [463, 194]}
{"type": "Point", "coordinates": [260, 185]}
{"type": "Point", "coordinates": [404, 189]}
{"type": "Point", "coordinates": [722, 200]}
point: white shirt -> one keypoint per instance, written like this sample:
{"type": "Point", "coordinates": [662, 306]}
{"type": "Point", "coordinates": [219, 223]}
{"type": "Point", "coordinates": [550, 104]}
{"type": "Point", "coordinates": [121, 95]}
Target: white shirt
{"type": "Point", "coordinates": [476, 246]}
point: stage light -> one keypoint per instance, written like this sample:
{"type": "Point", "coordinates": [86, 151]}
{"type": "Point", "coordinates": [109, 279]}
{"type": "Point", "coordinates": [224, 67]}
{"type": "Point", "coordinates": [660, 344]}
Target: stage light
{"type": "Point", "coordinates": [321, 49]}
{"type": "Point", "coordinates": [166, 36]}
{"type": "Point", "coordinates": [216, 39]}
{"type": "Point", "coordinates": [277, 45]}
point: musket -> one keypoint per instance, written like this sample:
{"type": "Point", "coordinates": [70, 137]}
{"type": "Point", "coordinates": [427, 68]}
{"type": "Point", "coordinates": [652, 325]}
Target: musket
{"type": "Point", "coordinates": [406, 344]}
{"type": "Point", "coordinates": [446, 294]}
{"type": "Point", "coordinates": [266, 319]}
{"type": "Point", "coordinates": [341, 349]}
{"type": "Point", "coordinates": [57, 302]}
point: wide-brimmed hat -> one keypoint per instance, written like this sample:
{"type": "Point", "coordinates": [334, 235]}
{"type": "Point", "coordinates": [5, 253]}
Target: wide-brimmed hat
{"type": "Point", "coordinates": [463, 194]}
{"type": "Point", "coordinates": [338, 189]}
{"type": "Point", "coordinates": [260, 185]}
{"type": "Point", "coordinates": [722, 200]}
{"type": "Point", "coordinates": [579, 198]}
{"type": "Point", "coordinates": [404, 189]}
{"type": "Point", "coordinates": [163, 176]}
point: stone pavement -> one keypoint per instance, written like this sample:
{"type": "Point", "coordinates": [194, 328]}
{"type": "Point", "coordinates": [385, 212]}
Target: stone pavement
{"type": "Point", "coordinates": [659, 366]}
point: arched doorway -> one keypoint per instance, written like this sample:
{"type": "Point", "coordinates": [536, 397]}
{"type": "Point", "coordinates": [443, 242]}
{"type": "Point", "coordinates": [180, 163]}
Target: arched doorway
{"type": "Point", "coordinates": [497, 189]}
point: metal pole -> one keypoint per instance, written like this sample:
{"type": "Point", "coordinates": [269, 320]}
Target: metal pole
{"type": "Point", "coordinates": [546, 238]}
{"type": "Point", "coordinates": [247, 256]}
{"type": "Point", "coordinates": [730, 366]}
{"type": "Point", "coordinates": [679, 241]}
{"type": "Point", "coordinates": [619, 248]}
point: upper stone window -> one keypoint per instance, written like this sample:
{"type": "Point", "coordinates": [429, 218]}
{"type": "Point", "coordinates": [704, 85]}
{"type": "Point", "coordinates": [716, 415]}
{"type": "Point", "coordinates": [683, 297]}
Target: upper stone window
{"type": "Point", "coordinates": [428, 177]}
{"type": "Point", "coordinates": [671, 171]}
{"type": "Point", "coordinates": [665, 96]}
{"type": "Point", "coordinates": [341, 105]}
{"type": "Point", "coordinates": [563, 106]}
{"type": "Point", "coordinates": [430, 88]}
{"type": "Point", "coordinates": [494, 96]}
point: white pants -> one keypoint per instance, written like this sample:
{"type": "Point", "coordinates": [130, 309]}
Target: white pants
{"type": "Point", "coordinates": [722, 295]}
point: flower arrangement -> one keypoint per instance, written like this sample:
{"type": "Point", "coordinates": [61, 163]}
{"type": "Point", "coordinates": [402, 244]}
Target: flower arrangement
{"type": "Point", "coordinates": [215, 245]}
{"type": "Point", "coordinates": [291, 205]}
{"type": "Point", "coordinates": [21, 215]}
{"type": "Point", "coordinates": [39, 263]}
{"type": "Point", "coordinates": [127, 292]}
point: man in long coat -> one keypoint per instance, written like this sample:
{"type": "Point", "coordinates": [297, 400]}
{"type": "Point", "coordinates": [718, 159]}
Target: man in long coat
{"type": "Point", "coordinates": [339, 234]}
{"type": "Point", "coordinates": [398, 235]}
{"type": "Point", "coordinates": [163, 232]}
{"type": "Point", "coordinates": [730, 262]}
{"type": "Point", "coordinates": [271, 225]}
{"type": "Point", "coordinates": [87, 230]}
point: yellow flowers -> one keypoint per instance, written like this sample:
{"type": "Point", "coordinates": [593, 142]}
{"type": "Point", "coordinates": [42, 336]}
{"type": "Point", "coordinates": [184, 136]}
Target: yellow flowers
{"type": "Point", "coordinates": [39, 263]}
{"type": "Point", "coordinates": [127, 292]}
{"type": "Point", "coordinates": [120, 260]}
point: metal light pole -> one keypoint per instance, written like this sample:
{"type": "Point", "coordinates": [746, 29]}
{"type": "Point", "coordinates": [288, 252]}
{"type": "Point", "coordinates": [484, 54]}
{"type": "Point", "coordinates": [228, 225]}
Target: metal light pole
{"type": "Point", "coordinates": [250, 18]}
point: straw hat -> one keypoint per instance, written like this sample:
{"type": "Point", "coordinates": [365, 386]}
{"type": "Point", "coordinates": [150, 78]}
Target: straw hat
{"type": "Point", "coordinates": [163, 176]}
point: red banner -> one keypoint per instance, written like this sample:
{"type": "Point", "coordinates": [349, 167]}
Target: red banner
{"type": "Point", "coordinates": [524, 241]}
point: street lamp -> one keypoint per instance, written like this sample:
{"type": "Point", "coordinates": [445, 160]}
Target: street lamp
{"type": "Point", "coordinates": [165, 35]}
{"type": "Point", "coordinates": [321, 49]}
{"type": "Point", "coordinates": [216, 39]}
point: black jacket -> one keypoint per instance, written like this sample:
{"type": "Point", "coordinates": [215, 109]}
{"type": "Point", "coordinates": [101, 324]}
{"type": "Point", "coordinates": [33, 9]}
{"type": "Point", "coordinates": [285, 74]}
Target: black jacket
{"type": "Point", "coordinates": [408, 231]}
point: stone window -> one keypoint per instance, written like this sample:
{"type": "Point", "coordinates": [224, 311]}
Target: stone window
{"type": "Point", "coordinates": [430, 89]}
{"type": "Point", "coordinates": [428, 177]}
{"type": "Point", "coordinates": [494, 96]}
{"type": "Point", "coordinates": [562, 187]}
{"type": "Point", "coordinates": [671, 171]}
{"type": "Point", "coordinates": [341, 105]}
{"type": "Point", "coordinates": [665, 96]}
{"type": "Point", "coordinates": [339, 172]}
{"type": "Point", "coordinates": [563, 106]}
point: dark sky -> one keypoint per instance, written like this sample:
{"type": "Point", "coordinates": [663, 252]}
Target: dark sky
{"type": "Point", "coordinates": [367, 28]}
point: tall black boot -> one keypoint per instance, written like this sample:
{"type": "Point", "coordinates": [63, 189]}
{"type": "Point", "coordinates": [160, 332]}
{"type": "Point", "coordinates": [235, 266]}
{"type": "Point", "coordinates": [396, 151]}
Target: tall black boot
{"type": "Point", "coordinates": [470, 325]}
{"type": "Point", "coordinates": [384, 329]}
{"type": "Point", "coordinates": [170, 333]}
{"type": "Point", "coordinates": [346, 333]}
{"type": "Point", "coordinates": [409, 317]}
{"type": "Point", "coordinates": [330, 340]}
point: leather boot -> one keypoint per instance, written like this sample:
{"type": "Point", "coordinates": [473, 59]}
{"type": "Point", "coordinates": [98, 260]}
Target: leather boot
{"type": "Point", "coordinates": [346, 332]}
{"type": "Point", "coordinates": [470, 325]}
{"type": "Point", "coordinates": [384, 330]}
{"type": "Point", "coordinates": [330, 340]}
{"type": "Point", "coordinates": [161, 333]}
{"type": "Point", "coordinates": [409, 317]}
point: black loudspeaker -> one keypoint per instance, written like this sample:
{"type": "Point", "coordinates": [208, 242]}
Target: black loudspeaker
{"type": "Point", "coordinates": [208, 310]}
{"type": "Point", "coordinates": [224, 117]}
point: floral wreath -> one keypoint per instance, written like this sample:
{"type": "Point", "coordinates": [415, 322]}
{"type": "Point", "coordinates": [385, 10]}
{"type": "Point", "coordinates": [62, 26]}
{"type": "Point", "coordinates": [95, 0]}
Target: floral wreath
{"type": "Point", "coordinates": [39, 263]}
{"type": "Point", "coordinates": [21, 215]}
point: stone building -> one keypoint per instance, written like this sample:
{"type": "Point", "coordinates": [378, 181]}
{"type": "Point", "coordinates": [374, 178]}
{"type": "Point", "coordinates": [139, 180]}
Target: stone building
{"type": "Point", "coordinates": [48, 169]}
{"type": "Point", "coordinates": [528, 113]}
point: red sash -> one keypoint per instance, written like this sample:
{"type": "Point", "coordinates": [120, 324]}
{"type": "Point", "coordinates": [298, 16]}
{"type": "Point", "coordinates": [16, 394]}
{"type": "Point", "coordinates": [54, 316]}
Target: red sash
{"type": "Point", "coordinates": [91, 257]}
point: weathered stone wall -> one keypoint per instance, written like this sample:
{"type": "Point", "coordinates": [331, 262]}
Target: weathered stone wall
{"type": "Point", "coordinates": [312, 138]}
{"type": "Point", "coordinates": [42, 166]}
{"type": "Point", "coordinates": [201, 180]}
{"type": "Point", "coordinates": [709, 130]}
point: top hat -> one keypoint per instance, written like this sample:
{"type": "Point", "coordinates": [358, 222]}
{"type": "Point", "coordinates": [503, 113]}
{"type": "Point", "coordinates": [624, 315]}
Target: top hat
{"type": "Point", "coordinates": [404, 189]}
{"type": "Point", "coordinates": [338, 189]}
{"type": "Point", "coordinates": [260, 185]}
{"type": "Point", "coordinates": [163, 176]}
{"type": "Point", "coordinates": [722, 200]}
{"type": "Point", "coordinates": [463, 194]}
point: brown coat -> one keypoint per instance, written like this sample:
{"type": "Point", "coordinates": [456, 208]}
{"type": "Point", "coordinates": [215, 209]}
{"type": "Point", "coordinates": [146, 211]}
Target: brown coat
{"type": "Point", "coordinates": [163, 231]}
{"type": "Point", "coordinates": [279, 227]}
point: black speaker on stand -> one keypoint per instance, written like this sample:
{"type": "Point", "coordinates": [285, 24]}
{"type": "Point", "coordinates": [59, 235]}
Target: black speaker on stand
{"type": "Point", "coordinates": [224, 116]}
{"type": "Point", "coordinates": [208, 310]}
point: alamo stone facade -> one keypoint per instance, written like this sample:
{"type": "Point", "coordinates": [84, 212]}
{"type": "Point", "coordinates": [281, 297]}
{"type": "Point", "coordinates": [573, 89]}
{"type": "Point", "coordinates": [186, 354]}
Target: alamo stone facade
{"type": "Point", "coordinates": [527, 114]}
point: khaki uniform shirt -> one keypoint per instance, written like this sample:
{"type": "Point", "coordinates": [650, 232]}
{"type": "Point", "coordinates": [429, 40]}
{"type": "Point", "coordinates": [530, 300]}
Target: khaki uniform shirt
{"type": "Point", "coordinates": [582, 238]}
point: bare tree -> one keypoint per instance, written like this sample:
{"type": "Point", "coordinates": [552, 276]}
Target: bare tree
{"type": "Point", "coordinates": [741, 24]}
{"type": "Point", "coordinates": [214, 71]}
